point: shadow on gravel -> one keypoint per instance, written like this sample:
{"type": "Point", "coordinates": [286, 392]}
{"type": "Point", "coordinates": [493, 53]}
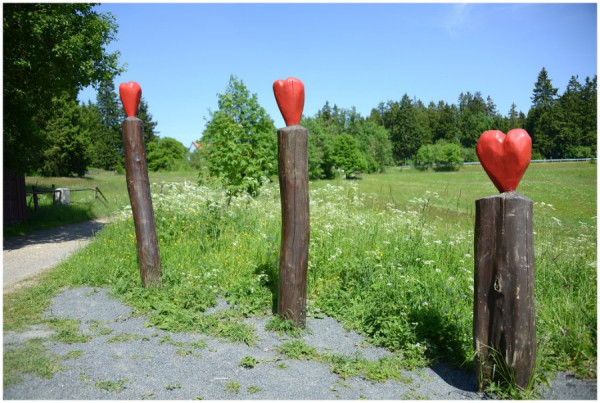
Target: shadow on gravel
{"type": "Point", "coordinates": [71, 232]}
{"type": "Point", "coordinates": [458, 378]}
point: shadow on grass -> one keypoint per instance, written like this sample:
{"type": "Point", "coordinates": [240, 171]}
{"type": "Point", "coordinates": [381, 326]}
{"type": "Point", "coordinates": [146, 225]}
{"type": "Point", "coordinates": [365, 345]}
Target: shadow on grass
{"type": "Point", "coordinates": [270, 272]}
{"type": "Point", "coordinates": [47, 218]}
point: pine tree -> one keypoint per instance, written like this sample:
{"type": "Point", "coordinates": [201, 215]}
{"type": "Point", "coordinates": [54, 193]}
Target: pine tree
{"type": "Point", "coordinates": [544, 94]}
{"type": "Point", "coordinates": [68, 140]}
{"type": "Point", "coordinates": [150, 133]}
{"type": "Point", "coordinates": [107, 144]}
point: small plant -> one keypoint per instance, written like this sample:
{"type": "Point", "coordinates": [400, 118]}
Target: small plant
{"type": "Point", "coordinates": [146, 396]}
{"type": "Point", "coordinates": [123, 337]}
{"type": "Point", "coordinates": [253, 389]}
{"type": "Point", "coordinates": [281, 326]}
{"type": "Point", "coordinates": [112, 386]}
{"type": "Point", "coordinates": [232, 387]}
{"type": "Point", "coordinates": [173, 386]}
{"type": "Point", "coordinates": [298, 349]}
{"type": "Point", "coordinates": [282, 365]}
{"type": "Point", "coordinates": [68, 331]}
{"type": "Point", "coordinates": [71, 355]}
{"type": "Point", "coordinates": [248, 362]}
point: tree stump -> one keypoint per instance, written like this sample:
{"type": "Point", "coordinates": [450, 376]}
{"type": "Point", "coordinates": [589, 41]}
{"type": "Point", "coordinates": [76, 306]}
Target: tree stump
{"type": "Point", "coordinates": [504, 310]}
{"type": "Point", "coordinates": [138, 186]}
{"type": "Point", "coordinates": [292, 143]}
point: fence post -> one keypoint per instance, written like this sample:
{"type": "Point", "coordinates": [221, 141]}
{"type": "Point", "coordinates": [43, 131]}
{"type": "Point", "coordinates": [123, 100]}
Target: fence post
{"type": "Point", "coordinates": [292, 146]}
{"type": "Point", "coordinates": [138, 186]}
{"type": "Point", "coordinates": [36, 204]}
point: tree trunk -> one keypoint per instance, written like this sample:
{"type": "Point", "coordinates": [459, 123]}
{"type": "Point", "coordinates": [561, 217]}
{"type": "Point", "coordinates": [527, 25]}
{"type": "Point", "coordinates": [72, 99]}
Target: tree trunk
{"type": "Point", "coordinates": [292, 142]}
{"type": "Point", "coordinates": [138, 186]}
{"type": "Point", "coordinates": [504, 310]}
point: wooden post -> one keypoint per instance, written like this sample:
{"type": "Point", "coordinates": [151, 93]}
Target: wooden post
{"type": "Point", "coordinates": [36, 203]}
{"type": "Point", "coordinates": [292, 143]}
{"type": "Point", "coordinates": [138, 186]}
{"type": "Point", "coordinates": [504, 310]}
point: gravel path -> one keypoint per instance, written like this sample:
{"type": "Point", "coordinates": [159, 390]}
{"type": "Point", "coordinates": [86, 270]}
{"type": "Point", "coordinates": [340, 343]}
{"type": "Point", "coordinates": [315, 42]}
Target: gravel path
{"type": "Point", "coordinates": [150, 363]}
{"type": "Point", "coordinates": [29, 255]}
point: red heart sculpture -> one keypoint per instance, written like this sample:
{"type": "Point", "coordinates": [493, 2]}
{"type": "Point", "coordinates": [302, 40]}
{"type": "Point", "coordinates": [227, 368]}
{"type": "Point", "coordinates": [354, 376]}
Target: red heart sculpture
{"type": "Point", "coordinates": [131, 93]}
{"type": "Point", "coordinates": [504, 157]}
{"type": "Point", "coordinates": [289, 95]}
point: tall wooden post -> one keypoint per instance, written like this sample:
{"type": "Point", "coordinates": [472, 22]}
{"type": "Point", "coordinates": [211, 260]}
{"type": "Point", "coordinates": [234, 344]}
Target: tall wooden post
{"type": "Point", "coordinates": [138, 186]}
{"type": "Point", "coordinates": [292, 144]}
{"type": "Point", "coordinates": [504, 311]}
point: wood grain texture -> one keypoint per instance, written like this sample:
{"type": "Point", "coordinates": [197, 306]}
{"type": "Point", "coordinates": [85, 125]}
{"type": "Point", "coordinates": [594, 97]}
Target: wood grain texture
{"type": "Point", "coordinates": [504, 310]}
{"type": "Point", "coordinates": [138, 186]}
{"type": "Point", "coordinates": [292, 142]}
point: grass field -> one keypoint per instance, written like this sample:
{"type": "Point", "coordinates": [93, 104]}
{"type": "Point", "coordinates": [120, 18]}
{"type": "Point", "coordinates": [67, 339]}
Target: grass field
{"type": "Point", "coordinates": [391, 256]}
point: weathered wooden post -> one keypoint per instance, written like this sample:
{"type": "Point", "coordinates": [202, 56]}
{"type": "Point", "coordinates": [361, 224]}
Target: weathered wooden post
{"type": "Point", "coordinates": [138, 186]}
{"type": "Point", "coordinates": [292, 144]}
{"type": "Point", "coordinates": [504, 310]}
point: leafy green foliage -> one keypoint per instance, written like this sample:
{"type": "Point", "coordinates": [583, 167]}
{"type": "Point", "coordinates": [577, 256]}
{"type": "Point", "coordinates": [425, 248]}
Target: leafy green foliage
{"type": "Point", "coordinates": [166, 154]}
{"type": "Point", "coordinates": [49, 49]}
{"type": "Point", "coordinates": [283, 326]}
{"type": "Point", "coordinates": [442, 155]}
{"type": "Point", "coordinates": [248, 362]}
{"type": "Point", "coordinates": [297, 349]}
{"type": "Point", "coordinates": [347, 155]}
{"type": "Point", "coordinates": [240, 141]}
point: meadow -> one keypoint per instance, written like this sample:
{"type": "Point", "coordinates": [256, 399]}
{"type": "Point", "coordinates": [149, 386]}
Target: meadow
{"type": "Point", "coordinates": [391, 256]}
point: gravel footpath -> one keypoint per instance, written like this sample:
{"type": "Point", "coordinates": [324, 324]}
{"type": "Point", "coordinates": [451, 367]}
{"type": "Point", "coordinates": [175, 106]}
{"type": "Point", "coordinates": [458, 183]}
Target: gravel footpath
{"type": "Point", "coordinates": [28, 255]}
{"type": "Point", "coordinates": [153, 366]}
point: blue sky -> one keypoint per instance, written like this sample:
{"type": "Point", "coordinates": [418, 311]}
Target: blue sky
{"type": "Point", "coordinates": [357, 55]}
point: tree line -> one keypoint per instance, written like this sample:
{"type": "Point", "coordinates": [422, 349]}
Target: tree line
{"type": "Point", "coordinates": [239, 142]}
{"type": "Point", "coordinates": [52, 51]}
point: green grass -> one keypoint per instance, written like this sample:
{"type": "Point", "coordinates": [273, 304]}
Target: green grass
{"type": "Point", "coordinates": [30, 358]}
{"type": "Point", "coordinates": [391, 256]}
{"type": "Point", "coordinates": [83, 205]}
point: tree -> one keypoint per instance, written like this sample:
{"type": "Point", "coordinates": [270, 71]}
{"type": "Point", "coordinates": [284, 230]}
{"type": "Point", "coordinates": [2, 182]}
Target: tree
{"type": "Point", "coordinates": [66, 152]}
{"type": "Point", "coordinates": [49, 49]}
{"type": "Point", "coordinates": [375, 144]}
{"type": "Point", "coordinates": [542, 123]}
{"type": "Point", "coordinates": [150, 133]}
{"type": "Point", "coordinates": [240, 139]}
{"type": "Point", "coordinates": [406, 132]}
{"type": "Point", "coordinates": [544, 94]}
{"type": "Point", "coordinates": [166, 154]}
{"type": "Point", "coordinates": [107, 143]}
{"type": "Point", "coordinates": [347, 155]}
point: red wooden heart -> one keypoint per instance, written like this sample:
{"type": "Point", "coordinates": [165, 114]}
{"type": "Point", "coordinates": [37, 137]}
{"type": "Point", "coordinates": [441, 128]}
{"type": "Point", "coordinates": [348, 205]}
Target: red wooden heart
{"type": "Point", "coordinates": [289, 95]}
{"type": "Point", "coordinates": [504, 157]}
{"type": "Point", "coordinates": [131, 93]}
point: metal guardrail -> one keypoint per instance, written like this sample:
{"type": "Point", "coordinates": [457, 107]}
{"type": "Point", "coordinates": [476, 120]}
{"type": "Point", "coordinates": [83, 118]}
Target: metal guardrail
{"type": "Point", "coordinates": [537, 161]}
{"type": "Point", "coordinates": [532, 161]}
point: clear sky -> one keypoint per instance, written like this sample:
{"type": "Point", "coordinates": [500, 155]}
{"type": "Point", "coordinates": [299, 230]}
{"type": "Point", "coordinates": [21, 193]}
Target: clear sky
{"type": "Point", "coordinates": [357, 55]}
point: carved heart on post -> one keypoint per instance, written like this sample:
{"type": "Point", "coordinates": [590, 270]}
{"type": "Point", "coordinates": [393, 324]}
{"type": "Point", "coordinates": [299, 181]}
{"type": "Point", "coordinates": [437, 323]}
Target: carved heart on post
{"type": "Point", "coordinates": [504, 158]}
{"type": "Point", "coordinates": [131, 93]}
{"type": "Point", "coordinates": [289, 95]}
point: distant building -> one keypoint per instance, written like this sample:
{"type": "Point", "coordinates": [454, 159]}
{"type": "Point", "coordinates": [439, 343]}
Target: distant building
{"type": "Point", "coordinates": [194, 146]}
